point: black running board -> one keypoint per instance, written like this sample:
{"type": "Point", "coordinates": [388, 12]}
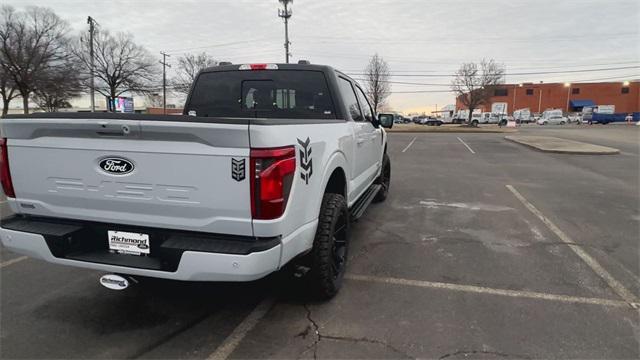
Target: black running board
{"type": "Point", "coordinates": [361, 205]}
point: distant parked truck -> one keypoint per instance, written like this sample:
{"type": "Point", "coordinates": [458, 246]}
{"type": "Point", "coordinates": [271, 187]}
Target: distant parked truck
{"type": "Point", "coordinates": [551, 112]}
{"type": "Point", "coordinates": [522, 116]}
{"type": "Point", "coordinates": [462, 116]}
{"type": "Point", "coordinates": [604, 114]}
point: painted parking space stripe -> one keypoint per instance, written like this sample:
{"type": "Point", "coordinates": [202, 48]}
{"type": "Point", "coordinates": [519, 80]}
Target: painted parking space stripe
{"type": "Point", "coordinates": [488, 291]}
{"type": "Point", "coordinates": [12, 261]}
{"type": "Point", "coordinates": [233, 340]}
{"type": "Point", "coordinates": [617, 287]}
{"type": "Point", "coordinates": [408, 146]}
{"type": "Point", "coordinates": [465, 144]}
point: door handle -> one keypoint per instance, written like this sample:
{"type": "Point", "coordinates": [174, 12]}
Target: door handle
{"type": "Point", "coordinates": [360, 141]}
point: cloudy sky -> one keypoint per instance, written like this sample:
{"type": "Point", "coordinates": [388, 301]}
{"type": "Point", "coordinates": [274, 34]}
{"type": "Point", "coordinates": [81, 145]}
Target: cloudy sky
{"type": "Point", "coordinates": [423, 41]}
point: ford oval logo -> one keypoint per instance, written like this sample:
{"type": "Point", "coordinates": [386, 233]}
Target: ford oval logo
{"type": "Point", "coordinates": [116, 166]}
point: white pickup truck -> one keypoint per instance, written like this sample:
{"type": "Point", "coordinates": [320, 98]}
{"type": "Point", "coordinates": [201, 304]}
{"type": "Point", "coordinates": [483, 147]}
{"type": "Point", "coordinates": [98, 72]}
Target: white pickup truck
{"type": "Point", "coordinates": [267, 167]}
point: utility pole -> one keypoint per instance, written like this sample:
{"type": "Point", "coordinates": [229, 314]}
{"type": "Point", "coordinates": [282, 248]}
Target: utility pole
{"type": "Point", "coordinates": [164, 82]}
{"type": "Point", "coordinates": [92, 28]}
{"type": "Point", "coordinates": [286, 14]}
{"type": "Point", "coordinates": [568, 86]}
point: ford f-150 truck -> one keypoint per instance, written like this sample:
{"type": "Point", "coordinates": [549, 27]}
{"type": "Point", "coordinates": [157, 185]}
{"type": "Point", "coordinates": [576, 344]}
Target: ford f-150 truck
{"type": "Point", "coordinates": [267, 167]}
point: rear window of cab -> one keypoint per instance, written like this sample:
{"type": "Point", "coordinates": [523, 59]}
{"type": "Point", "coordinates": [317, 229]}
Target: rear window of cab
{"type": "Point", "coordinates": [289, 94]}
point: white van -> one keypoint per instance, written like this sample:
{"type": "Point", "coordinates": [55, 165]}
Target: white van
{"type": "Point", "coordinates": [522, 115]}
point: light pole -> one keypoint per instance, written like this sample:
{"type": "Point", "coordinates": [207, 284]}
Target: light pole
{"type": "Point", "coordinates": [514, 98]}
{"type": "Point", "coordinates": [539, 99]}
{"type": "Point", "coordinates": [286, 14]}
{"type": "Point", "coordinates": [568, 86]}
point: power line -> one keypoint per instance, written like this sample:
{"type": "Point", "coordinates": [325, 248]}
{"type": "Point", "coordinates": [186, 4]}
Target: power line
{"type": "Point", "coordinates": [214, 45]}
{"type": "Point", "coordinates": [421, 91]}
{"type": "Point", "coordinates": [512, 74]}
{"type": "Point", "coordinates": [454, 40]}
{"type": "Point", "coordinates": [521, 68]}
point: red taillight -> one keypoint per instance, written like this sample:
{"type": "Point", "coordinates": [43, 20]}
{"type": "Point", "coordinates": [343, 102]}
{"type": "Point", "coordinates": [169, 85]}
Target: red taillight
{"type": "Point", "coordinates": [271, 177]}
{"type": "Point", "coordinates": [5, 175]}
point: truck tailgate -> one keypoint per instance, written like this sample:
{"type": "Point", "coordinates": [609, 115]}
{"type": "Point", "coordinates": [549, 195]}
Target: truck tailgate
{"type": "Point", "coordinates": [163, 174]}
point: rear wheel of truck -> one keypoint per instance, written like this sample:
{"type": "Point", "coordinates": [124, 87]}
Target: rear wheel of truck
{"type": "Point", "coordinates": [384, 180]}
{"type": "Point", "coordinates": [330, 247]}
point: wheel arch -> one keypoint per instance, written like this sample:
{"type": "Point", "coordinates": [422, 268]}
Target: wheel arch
{"type": "Point", "coordinates": [335, 178]}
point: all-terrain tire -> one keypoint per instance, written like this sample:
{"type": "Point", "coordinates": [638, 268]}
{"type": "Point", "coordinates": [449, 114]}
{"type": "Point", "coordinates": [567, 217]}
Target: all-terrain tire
{"type": "Point", "coordinates": [384, 179]}
{"type": "Point", "coordinates": [330, 247]}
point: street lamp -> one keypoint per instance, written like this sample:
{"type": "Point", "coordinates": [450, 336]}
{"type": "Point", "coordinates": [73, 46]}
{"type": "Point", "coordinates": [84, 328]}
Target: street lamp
{"type": "Point", "coordinates": [568, 86]}
{"type": "Point", "coordinates": [515, 86]}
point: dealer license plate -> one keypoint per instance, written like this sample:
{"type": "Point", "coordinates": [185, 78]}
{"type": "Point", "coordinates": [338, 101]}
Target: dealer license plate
{"type": "Point", "coordinates": [128, 242]}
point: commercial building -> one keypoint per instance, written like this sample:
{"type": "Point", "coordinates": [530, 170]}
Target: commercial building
{"type": "Point", "coordinates": [625, 96]}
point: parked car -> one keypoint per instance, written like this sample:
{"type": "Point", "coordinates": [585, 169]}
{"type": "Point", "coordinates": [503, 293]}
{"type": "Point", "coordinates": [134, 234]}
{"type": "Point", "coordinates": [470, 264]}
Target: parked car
{"type": "Point", "coordinates": [233, 191]}
{"type": "Point", "coordinates": [431, 121]}
{"type": "Point", "coordinates": [553, 120]}
{"type": "Point", "coordinates": [574, 118]}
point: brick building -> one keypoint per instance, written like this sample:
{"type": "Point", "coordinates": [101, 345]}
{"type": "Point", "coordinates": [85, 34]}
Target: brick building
{"type": "Point", "coordinates": [568, 97]}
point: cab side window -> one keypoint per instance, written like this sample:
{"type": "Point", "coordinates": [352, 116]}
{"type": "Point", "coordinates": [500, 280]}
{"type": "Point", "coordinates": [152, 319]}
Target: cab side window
{"type": "Point", "coordinates": [350, 100]}
{"type": "Point", "coordinates": [364, 104]}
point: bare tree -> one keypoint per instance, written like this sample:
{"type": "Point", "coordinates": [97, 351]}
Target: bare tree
{"type": "Point", "coordinates": [377, 85]}
{"type": "Point", "coordinates": [474, 83]}
{"type": "Point", "coordinates": [8, 90]}
{"type": "Point", "coordinates": [189, 65]}
{"type": "Point", "coordinates": [31, 45]}
{"type": "Point", "coordinates": [58, 86]}
{"type": "Point", "coordinates": [120, 64]}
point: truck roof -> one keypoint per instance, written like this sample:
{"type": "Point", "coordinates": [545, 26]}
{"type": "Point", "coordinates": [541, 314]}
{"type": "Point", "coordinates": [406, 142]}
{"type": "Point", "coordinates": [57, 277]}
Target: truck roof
{"type": "Point", "coordinates": [281, 66]}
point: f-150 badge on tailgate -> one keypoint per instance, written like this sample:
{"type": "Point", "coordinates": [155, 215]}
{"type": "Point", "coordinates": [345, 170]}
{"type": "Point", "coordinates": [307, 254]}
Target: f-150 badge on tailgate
{"type": "Point", "coordinates": [116, 166]}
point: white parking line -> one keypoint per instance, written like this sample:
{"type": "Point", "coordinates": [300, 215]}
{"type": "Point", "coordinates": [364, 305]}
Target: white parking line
{"type": "Point", "coordinates": [490, 291]}
{"type": "Point", "coordinates": [408, 146]}
{"type": "Point", "coordinates": [233, 340]}
{"type": "Point", "coordinates": [617, 287]}
{"type": "Point", "coordinates": [465, 144]}
{"type": "Point", "coordinates": [12, 261]}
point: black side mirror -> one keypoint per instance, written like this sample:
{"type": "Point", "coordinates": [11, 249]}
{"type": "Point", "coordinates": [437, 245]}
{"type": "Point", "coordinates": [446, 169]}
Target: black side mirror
{"type": "Point", "coordinates": [386, 120]}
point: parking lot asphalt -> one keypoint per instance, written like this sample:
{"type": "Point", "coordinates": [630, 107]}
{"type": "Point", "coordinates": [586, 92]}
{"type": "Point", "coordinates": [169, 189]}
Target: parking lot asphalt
{"type": "Point", "coordinates": [483, 249]}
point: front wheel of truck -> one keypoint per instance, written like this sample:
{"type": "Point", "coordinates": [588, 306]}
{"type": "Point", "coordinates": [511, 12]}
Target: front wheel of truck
{"type": "Point", "coordinates": [330, 247]}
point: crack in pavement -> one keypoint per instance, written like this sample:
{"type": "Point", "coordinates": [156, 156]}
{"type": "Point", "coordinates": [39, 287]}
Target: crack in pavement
{"type": "Point", "coordinates": [370, 341]}
{"type": "Point", "coordinates": [466, 353]}
{"type": "Point", "coordinates": [313, 326]}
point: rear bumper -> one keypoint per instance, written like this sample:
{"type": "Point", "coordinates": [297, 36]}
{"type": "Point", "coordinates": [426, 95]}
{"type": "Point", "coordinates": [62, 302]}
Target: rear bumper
{"type": "Point", "coordinates": [181, 257]}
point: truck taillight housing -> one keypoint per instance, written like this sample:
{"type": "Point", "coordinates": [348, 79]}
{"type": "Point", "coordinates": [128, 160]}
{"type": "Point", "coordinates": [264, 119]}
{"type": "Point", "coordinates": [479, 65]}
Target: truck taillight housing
{"type": "Point", "coordinates": [272, 173]}
{"type": "Point", "coordinates": [5, 175]}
